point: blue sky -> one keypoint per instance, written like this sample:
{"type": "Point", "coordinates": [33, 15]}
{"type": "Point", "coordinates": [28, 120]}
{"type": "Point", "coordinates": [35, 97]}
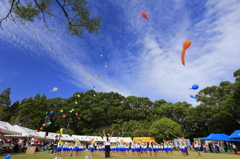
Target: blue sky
{"type": "Point", "coordinates": [143, 57]}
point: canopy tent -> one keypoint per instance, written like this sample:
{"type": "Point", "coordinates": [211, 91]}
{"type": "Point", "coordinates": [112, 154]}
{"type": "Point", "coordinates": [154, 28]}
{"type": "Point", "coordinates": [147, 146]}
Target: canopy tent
{"type": "Point", "coordinates": [115, 139]}
{"type": "Point", "coordinates": [235, 135]}
{"type": "Point", "coordinates": [219, 137]}
{"type": "Point", "coordinates": [87, 138]}
{"type": "Point", "coordinates": [66, 137]}
{"type": "Point", "coordinates": [26, 132]}
{"type": "Point", "coordinates": [6, 128]}
{"type": "Point", "coordinates": [49, 137]}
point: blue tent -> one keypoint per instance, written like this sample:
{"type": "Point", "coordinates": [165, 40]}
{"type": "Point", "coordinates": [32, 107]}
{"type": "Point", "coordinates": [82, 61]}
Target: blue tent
{"type": "Point", "coordinates": [235, 135]}
{"type": "Point", "coordinates": [219, 137]}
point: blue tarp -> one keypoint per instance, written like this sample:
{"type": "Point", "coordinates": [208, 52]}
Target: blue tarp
{"type": "Point", "coordinates": [220, 137]}
{"type": "Point", "coordinates": [235, 135]}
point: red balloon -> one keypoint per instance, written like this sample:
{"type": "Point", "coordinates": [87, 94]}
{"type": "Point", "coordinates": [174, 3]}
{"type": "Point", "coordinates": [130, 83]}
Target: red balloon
{"type": "Point", "coordinates": [45, 137]}
{"type": "Point", "coordinates": [144, 15]}
{"type": "Point", "coordinates": [76, 114]}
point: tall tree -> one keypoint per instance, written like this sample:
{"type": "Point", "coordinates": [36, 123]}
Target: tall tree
{"type": "Point", "coordinates": [4, 104]}
{"type": "Point", "coordinates": [76, 14]}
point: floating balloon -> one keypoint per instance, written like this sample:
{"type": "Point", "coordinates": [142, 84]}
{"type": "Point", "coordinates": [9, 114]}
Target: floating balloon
{"type": "Point", "coordinates": [49, 123]}
{"type": "Point", "coordinates": [45, 137]}
{"type": "Point", "coordinates": [76, 102]}
{"type": "Point", "coordinates": [43, 124]}
{"type": "Point", "coordinates": [76, 114]}
{"type": "Point", "coordinates": [61, 111]}
{"type": "Point", "coordinates": [70, 111]}
{"type": "Point", "coordinates": [95, 89]}
{"type": "Point", "coordinates": [78, 95]}
{"type": "Point", "coordinates": [20, 124]}
{"type": "Point", "coordinates": [36, 130]}
{"type": "Point", "coordinates": [54, 89]}
{"type": "Point", "coordinates": [195, 87]}
{"type": "Point", "coordinates": [73, 109]}
{"type": "Point", "coordinates": [186, 45]}
{"type": "Point", "coordinates": [38, 120]}
{"type": "Point", "coordinates": [41, 128]}
{"type": "Point", "coordinates": [8, 156]}
{"type": "Point", "coordinates": [51, 112]}
{"type": "Point", "coordinates": [96, 75]}
{"type": "Point", "coordinates": [64, 116]}
{"type": "Point", "coordinates": [144, 15]}
{"type": "Point", "coordinates": [88, 79]}
{"type": "Point", "coordinates": [106, 65]}
{"type": "Point", "coordinates": [192, 96]}
{"type": "Point", "coordinates": [94, 86]}
{"type": "Point", "coordinates": [101, 55]}
{"type": "Point", "coordinates": [94, 95]}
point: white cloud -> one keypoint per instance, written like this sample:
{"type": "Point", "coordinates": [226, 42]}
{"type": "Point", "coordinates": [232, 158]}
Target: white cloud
{"type": "Point", "coordinates": [143, 57]}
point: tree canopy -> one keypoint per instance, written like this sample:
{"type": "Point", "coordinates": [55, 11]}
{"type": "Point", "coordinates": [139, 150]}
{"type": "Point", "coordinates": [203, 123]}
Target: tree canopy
{"type": "Point", "coordinates": [75, 14]}
{"type": "Point", "coordinates": [88, 113]}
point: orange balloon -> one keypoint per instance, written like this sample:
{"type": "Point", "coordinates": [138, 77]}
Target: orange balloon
{"type": "Point", "coordinates": [41, 128]}
{"type": "Point", "coordinates": [64, 116]}
{"type": "Point", "coordinates": [186, 45]}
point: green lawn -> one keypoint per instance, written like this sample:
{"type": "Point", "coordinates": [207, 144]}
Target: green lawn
{"type": "Point", "coordinates": [98, 155]}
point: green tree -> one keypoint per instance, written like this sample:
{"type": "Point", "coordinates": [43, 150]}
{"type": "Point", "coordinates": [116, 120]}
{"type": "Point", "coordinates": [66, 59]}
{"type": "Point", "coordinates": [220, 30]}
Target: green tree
{"type": "Point", "coordinates": [76, 14]}
{"type": "Point", "coordinates": [4, 104]}
{"type": "Point", "coordinates": [165, 129]}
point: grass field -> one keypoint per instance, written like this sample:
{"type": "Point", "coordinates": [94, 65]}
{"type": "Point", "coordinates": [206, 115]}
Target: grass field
{"type": "Point", "coordinates": [98, 155]}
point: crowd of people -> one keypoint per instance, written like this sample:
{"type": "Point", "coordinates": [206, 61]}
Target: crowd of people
{"type": "Point", "coordinates": [136, 148]}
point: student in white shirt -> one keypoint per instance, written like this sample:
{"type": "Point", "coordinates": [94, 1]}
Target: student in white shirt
{"type": "Point", "coordinates": [107, 144]}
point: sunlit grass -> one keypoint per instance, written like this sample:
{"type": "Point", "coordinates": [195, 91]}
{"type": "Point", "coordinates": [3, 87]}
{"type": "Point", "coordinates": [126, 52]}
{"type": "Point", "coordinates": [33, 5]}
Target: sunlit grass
{"type": "Point", "coordinates": [100, 155]}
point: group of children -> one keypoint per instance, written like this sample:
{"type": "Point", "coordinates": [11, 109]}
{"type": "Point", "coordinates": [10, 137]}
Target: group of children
{"type": "Point", "coordinates": [137, 148]}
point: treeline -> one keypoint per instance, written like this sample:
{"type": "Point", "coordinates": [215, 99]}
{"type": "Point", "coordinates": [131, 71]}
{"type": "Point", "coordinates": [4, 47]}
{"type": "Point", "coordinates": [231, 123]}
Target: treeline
{"type": "Point", "coordinates": [90, 112]}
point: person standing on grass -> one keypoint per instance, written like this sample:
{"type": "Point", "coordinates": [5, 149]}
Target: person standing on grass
{"type": "Point", "coordinates": [55, 144]}
{"type": "Point", "coordinates": [107, 144]}
{"type": "Point", "coordinates": [197, 148]}
{"type": "Point", "coordinates": [234, 147]}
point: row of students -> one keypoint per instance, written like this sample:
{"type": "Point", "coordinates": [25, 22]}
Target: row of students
{"type": "Point", "coordinates": [120, 147]}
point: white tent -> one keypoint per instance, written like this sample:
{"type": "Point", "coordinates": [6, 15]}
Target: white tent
{"type": "Point", "coordinates": [51, 135]}
{"type": "Point", "coordinates": [26, 132]}
{"type": "Point", "coordinates": [66, 137]}
{"type": "Point", "coordinates": [6, 128]}
{"type": "Point", "coordinates": [115, 139]}
{"type": "Point", "coordinates": [87, 138]}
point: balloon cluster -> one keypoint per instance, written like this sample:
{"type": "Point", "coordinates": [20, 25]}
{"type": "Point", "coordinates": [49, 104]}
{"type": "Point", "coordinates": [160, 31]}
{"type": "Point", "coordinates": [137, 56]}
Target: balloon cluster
{"type": "Point", "coordinates": [194, 87]}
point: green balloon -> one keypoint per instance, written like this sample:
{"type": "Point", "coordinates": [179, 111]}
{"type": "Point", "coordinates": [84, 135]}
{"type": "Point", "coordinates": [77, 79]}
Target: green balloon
{"type": "Point", "coordinates": [73, 109]}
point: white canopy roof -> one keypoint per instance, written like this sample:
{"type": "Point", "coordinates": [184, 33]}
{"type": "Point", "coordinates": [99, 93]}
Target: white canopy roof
{"type": "Point", "coordinates": [115, 139]}
{"type": "Point", "coordinates": [87, 138]}
{"type": "Point", "coordinates": [26, 132]}
{"type": "Point", "coordinates": [51, 136]}
{"type": "Point", "coordinates": [6, 128]}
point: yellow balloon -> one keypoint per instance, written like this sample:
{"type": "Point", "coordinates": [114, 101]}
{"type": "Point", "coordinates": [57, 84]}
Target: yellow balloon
{"type": "Point", "coordinates": [78, 95]}
{"type": "Point", "coordinates": [70, 111]}
{"type": "Point", "coordinates": [88, 79]}
{"type": "Point", "coordinates": [106, 65]}
{"type": "Point", "coordinates": [96, 75]}
{"type": "Point", "coordinates": [101, 55]}
{"type": "Point", "coordinates": [95, 89]}
{"type": "Point", "coordinates": [76, 102]}
{"type": "Point", "coordinates": [61, 110]}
